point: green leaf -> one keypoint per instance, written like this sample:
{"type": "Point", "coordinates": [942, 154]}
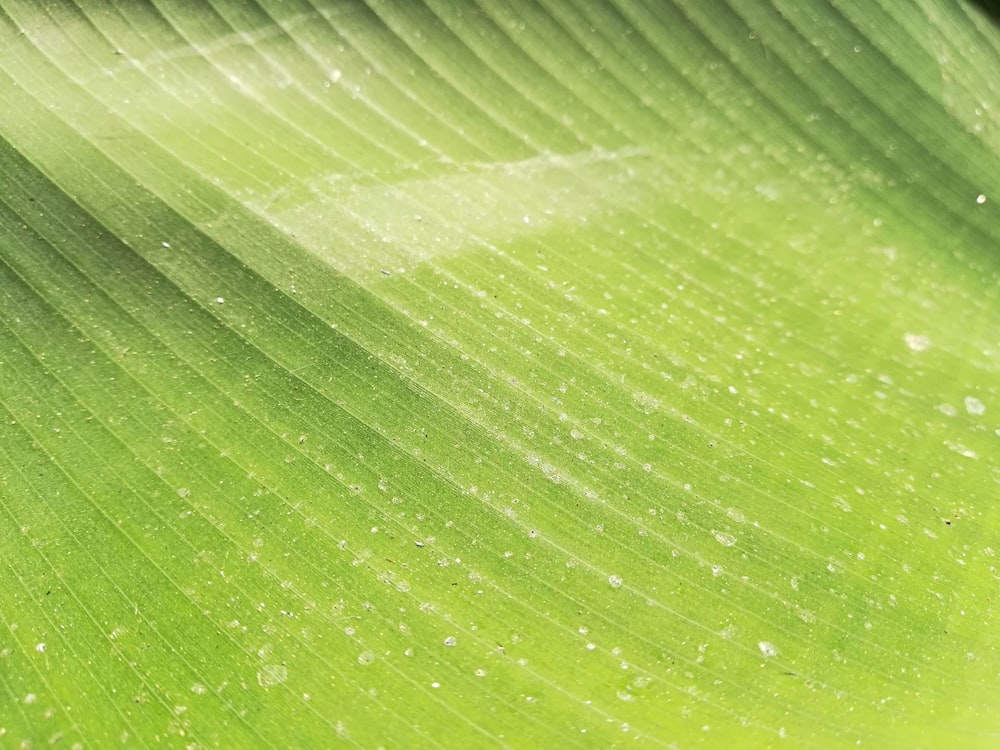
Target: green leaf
{"type": "Point", "coordinates": [515, 374]}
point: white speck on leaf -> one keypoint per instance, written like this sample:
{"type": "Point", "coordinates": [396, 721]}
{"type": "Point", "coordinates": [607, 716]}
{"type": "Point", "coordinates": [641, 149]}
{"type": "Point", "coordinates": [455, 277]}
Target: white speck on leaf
{"type": "Point", "coordinates": [961, 449]}
{"type": "Point", "coordinates": [645, 402]}
{"type": "Point", "coordinates": [271, 675]}
{"type": "Point", "coordinates": [974, 406]}
{"type": "Point", "coordinates": [917, 342]}
{"type": "Point", "coordinates": [726, 540]}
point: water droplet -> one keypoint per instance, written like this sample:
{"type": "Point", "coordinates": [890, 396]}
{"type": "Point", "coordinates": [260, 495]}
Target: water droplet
{"type": "Point", "coordinates": [974, 406]}
{"type": "Point", "coordinates": [615, 581]}
{"type": "Point", "coordinates": [768, 649]}
{"type": "Point", "coordinates": [961, 449]}
{"type": "Point", "coordinates": [645, 402]}
{"type": "Point", "coordinates": [726, 540]}
{"type": "Point", "coordinates": [366, 657]}
{"type": "Point", "coordinates": [917, 342]}
{"type": "Point", "coordinates": [271, 675]}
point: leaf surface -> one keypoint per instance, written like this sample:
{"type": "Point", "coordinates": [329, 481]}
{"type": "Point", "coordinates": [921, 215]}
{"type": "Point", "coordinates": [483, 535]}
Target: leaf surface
{"type": "Point", "coordinates": [511, 374]}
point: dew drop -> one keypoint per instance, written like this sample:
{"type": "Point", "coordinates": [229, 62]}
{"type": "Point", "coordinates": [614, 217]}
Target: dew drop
{"type": "Point", "coordinates": [917, 342]}
{"type": "Point", "coordinates": [271, 675]}
{"type": "Point", "coordinates": [726, 540]}
{"type": "Point", "coordinates": [974, 406]}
